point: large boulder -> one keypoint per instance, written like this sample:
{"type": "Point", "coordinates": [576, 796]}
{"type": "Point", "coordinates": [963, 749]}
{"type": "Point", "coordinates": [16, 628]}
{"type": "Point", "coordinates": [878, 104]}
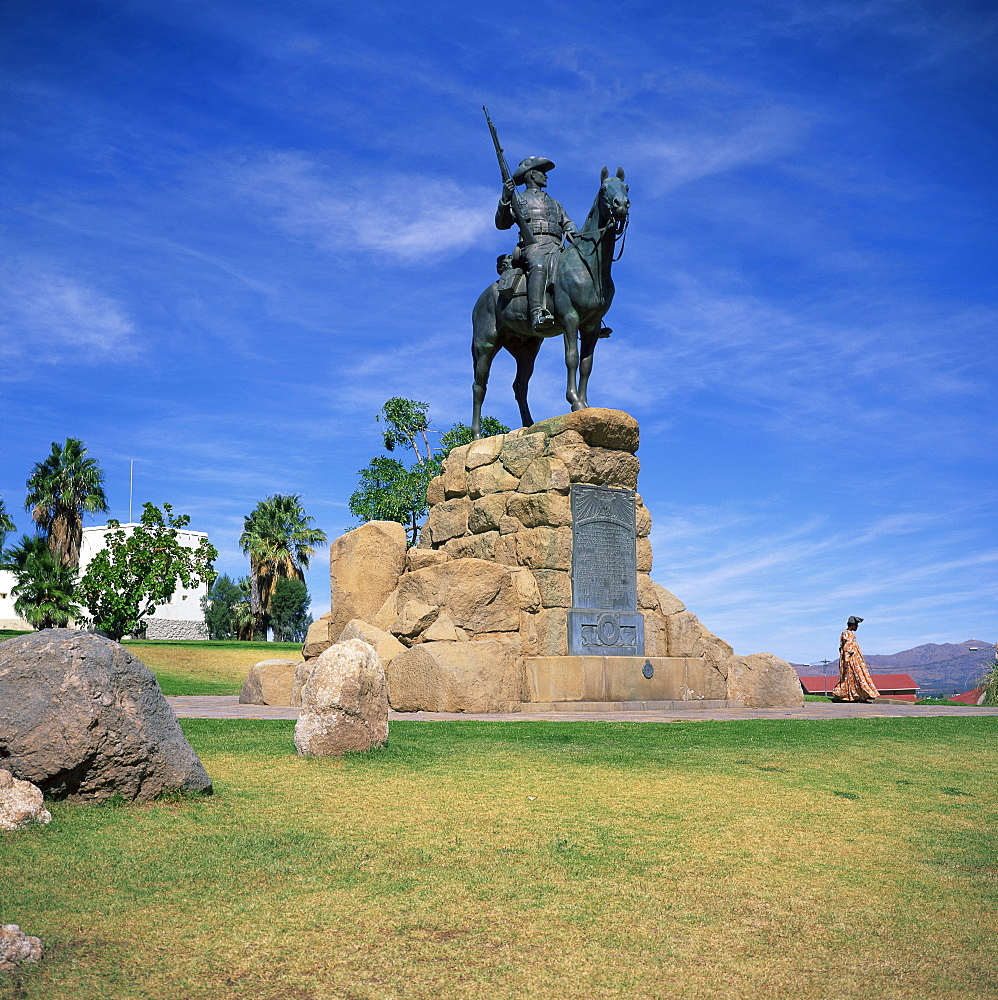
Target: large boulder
{"type": "Point", "coordinates": [303, 671]}
{"type": "Point", "coordinates": [21, 804]}
{"type": "Point", "coordinates": [763, 680]}
{"type": "Point", "coordinates": [598, 427]}
{"type": "Point", "coordinates": [482, 676]}
{"type": "Point", "coordinates": [479, 596]}
{"type": "Point", "coordinates": [364, 568]}
{"type": "Point", "coordinates": [318, 639]}
{"type": "Point", "coordinates": [344, 703]}
{"type": "Point", "coordinates": [16, 948]}
{"type": "Point", "coordinates": [384, 643]}
{"type": "Point", "coordinates": [269, 682]}
{"type": "Point", "coordinates": [83, 719]}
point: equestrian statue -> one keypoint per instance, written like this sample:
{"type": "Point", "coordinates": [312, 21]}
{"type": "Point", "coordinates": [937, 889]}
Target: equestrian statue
{"type": "Point", "coordinates": [556, 281]}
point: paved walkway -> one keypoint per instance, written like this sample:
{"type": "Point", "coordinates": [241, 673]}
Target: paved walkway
{"type": "Point", "coordinates": [228, 707]}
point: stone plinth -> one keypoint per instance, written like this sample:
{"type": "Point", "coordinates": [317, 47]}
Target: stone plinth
{"type": "Point", "coordinates": [482, 609]}
{"type": "Point", "coordinates": [621, 678]}
{"type": "Point", "coordinates": [508, 500]}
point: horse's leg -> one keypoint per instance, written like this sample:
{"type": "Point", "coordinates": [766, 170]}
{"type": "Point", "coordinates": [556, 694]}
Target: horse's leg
{"type": "Point", "coordinates": [568, 316]}
{"type": "Point", "coordinates": [485, 344]}
{"type": "Point", "coordinates": [571, 324]}
{"type": "Point", "coordinates": [588, 346]}
{"type": "Point", "coordinates": [525, 352]}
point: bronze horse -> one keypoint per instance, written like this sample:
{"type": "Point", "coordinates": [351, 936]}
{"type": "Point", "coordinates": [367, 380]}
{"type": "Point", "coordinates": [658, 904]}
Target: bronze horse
{"type": "Point", "coordinates": [583, 291]}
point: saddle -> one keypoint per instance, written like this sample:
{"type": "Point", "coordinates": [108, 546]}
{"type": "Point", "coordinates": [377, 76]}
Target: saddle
{"type": "Point", "coordinates": [512, 275]}
{"type": "Point", "coordinates": [512, 282]}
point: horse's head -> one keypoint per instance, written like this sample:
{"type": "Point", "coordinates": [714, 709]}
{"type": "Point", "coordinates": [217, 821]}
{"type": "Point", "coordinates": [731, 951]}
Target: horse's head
{"type": "Point", "coordinates": [613, 199]}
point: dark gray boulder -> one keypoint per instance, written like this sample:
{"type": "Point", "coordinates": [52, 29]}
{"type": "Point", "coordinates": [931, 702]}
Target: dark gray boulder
{"type": "Point", "coordinates": [83, 719]}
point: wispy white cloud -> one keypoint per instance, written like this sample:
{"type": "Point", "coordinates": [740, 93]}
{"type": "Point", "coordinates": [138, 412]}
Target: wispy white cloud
{"type": "Point", "coordinates": [940, 31]}
{"type": "Point", "coordinates": [52, 317]}
{"type": "Point", "coordinates": [340, 211]}
{"type": "Point", "coordinates": [681, 153]}
{"type": "Point", "coordinates": [740, 570]}
{"type": "Point", "coordinates": [869, 363]}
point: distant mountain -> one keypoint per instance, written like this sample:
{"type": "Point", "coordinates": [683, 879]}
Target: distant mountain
{"type": "Point", "coordinates": [938, 668]}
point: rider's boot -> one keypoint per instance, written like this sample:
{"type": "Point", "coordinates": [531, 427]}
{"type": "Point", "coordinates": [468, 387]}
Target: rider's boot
{"type": "Point", "coordinates": [541, 319]}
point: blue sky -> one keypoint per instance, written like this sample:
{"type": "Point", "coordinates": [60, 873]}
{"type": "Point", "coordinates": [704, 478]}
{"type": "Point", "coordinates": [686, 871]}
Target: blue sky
{"type": "Point", "coordinates": [232, 230]}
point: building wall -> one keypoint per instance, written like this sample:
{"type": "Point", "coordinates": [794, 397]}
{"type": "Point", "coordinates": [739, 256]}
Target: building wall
{"type": "Point", "coordinates": [175, 630]}
{"type": "Point", "coordinates": [8, 616]}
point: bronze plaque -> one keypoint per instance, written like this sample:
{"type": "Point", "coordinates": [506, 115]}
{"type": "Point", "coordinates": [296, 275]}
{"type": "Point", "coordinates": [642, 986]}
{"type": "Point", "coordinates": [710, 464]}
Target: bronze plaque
{"type": "Point", "coordinates": [604, 552]}
{"type": "Point", "coordinates": [604, 574]}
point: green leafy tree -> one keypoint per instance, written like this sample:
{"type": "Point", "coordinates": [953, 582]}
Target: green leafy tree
{"type": "Point", "coordinates": [279, 539]}
{"type": "Point", "coordinates": [218, 606]}
{"type": "Point", "coordinates": [43, 593]}
{"type": "Point", "coordinates": [289, 611]}
{"type": "Point", "coordinates": [67, 485]}
{"type": "Point", "coordinates": [389, 491]}
{"type": "Point", "coordinates": [245, 622]}
{"type": "Point", "coordinates": [140, 568]}
{"type": "Point", "coordinates": [6, 527]}
{"type": "Point", "coordinates": [243, 619]}
{"type": "Point", "coordinates": [406, 419]}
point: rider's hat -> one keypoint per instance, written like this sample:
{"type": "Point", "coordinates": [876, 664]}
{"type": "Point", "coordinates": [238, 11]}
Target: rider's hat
{"type": "Point", "coordinates": [531, 163]}
{"type": "Point", "coordinates": [853, 620]}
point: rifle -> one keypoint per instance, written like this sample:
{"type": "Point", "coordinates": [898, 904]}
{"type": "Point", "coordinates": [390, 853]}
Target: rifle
{"type": "Point", "coordinates": [526, 236]}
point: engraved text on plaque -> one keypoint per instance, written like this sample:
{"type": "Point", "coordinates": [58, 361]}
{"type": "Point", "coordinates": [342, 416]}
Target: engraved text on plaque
{"type": "Point", "coordinates": [604, 619]}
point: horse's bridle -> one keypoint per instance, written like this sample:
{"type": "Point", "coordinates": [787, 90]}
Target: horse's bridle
{"type": "Point", "coordinates": [619, 233]}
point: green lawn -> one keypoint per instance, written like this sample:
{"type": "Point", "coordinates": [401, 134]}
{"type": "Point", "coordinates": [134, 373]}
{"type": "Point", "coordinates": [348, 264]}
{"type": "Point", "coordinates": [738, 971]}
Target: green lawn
{"type": "Point", "coordinates": [772, 859]}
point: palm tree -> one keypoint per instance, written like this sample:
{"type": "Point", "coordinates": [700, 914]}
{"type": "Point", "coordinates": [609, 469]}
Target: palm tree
{"type": "Point", "coordinates": [60, 490]}
{"type": "Point", "coordinates": [6, 525]}
{"type": "Point", "coordinates": [43, 595]}
{"type": "Point", "coordinates": [279, 540]}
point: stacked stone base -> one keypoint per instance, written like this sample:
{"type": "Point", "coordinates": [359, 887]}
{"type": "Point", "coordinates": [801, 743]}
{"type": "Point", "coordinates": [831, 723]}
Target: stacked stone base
{"type": "Point", "coordinates": [476, 618]}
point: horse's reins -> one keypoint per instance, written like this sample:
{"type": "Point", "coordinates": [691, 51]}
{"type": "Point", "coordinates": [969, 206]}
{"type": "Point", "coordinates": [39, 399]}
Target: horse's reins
{"type": "Point", "coordinates": [621, 234]}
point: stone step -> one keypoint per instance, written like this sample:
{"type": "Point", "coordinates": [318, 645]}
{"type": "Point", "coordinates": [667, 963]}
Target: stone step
{"type": "Point", "coordinates": [596, 707]}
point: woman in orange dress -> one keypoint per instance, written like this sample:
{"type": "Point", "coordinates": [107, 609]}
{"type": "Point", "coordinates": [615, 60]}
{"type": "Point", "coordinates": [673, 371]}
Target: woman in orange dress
{"type": "Point", "coordinates": [855, 683]}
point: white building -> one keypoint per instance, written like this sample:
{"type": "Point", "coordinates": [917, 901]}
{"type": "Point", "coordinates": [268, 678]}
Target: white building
{"type": "Point", "coordinates": [8, 616]}
{"type": "Point", "coordinates": [183, 617]}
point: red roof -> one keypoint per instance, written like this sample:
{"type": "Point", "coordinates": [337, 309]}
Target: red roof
{"type": "Point", "coordinates": [884, 683]}
{"type": "Point", "coordinates": [969, 697]}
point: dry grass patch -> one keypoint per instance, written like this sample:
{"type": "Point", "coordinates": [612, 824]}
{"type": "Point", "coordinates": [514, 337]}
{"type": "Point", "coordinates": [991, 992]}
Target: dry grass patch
{"type": "Point", "coordinates": [211, 668]}
{"type": "Point", "coordinates": [513, 860]}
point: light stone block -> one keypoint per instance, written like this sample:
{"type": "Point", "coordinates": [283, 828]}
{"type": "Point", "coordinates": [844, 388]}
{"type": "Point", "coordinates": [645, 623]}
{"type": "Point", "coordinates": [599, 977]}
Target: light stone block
{"type": "Point", "coordinates": [605, 678]}
{"type": "Point", "coordinates": [544, 548]}
{"type": "Point", "coordinates": [517, 453]}
{"type": "Point", "coordinates": [490, 479]}
{"type": "Point", "coordinates": [483, 452]}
